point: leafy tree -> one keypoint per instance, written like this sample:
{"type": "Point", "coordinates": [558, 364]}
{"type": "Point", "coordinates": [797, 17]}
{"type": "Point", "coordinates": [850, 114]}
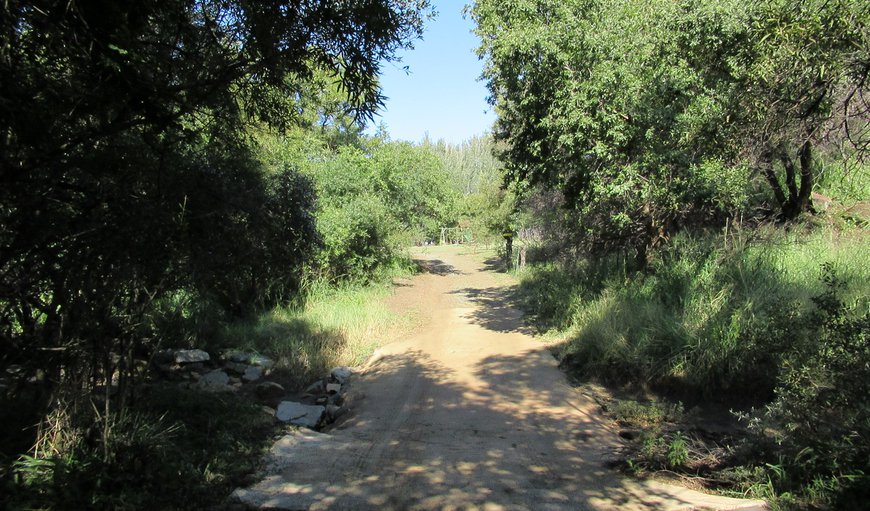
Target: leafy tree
{"type": "Point", "coordinates": [127, 171]}
{"type": "Point", "coordinates": [653, 115]}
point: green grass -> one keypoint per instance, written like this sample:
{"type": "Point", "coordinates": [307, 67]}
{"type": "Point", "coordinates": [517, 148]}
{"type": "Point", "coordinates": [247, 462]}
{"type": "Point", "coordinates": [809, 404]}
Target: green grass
{"type": "Point", "coordinates": [337, 325]}
{"type": "Point", "coordinates": [709, 316]}
{"type": "Point", "coordinates": [174, 449]}
{"type": "Point", "coordinates": [773, 320]}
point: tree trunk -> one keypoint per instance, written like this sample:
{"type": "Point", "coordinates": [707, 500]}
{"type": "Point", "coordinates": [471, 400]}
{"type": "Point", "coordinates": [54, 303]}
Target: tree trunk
{"type": "Point", "coordinates": [804, 198]}
{"type": "Point", "coordinates": [799, 199]}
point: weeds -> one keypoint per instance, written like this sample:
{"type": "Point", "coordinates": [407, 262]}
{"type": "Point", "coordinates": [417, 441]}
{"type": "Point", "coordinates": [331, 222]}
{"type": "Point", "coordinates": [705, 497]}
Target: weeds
{"type": "Point", "coordinates": [335, 326]}
{"type": "Point", "coordinates": [175, 449]}
{"type": "Point", "coordinates": [780, 322]}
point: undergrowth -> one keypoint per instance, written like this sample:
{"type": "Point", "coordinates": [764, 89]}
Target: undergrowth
{"type": "Point", "coordinates": [174, 449]}
{"type": "Point", "coordinates": [335, 326]}
{"type": "Point", "coordinates": [779, 322]}
{"type": "Point", "coordinates": [177, 448]}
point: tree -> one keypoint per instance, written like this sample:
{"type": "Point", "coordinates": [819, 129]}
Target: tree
{"type": "Point", "coordinates": [127, 171]}
{"type": "Point", "coordinates": [653, 115]}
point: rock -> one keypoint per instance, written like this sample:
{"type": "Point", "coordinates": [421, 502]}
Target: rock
{"type": "Point", "coordinates": [261, 361]}
{"type": "Point", "coordinates": [190, 356]}
{"type": "Point", "coordinates": [253, 373]}
{"type": "Point", "coordinates": [239, 357]}
{"type": "Point", "coordinates": [335, 399]}
{"type": "Point", "coordinates": [333, 388]}
{"type": "Point", "coordinates": [242, 357]}
{"type": "Point", "coordinates": [269, 390]}
{"type": "Point", "coordinates": [236, 367]}
{"type": "Point", "coordinates": [214, 380]}
{"type": "Point", "coordinates": [193, 366]}
{"type": "Point", "coordinates": [317, 387]}
{"type": "Point", "coordinates": [341, 374]}
{"type": "Point", "coordinates": [268, 410]}
{"type": "Point", "coordinates": [234, 380]}
{"type": "Point", "coordinates": [299, 414]}
{"type": "Point", "coordinates": [195, 376]}
{"type": "Point", "coordinates": [334, 412]}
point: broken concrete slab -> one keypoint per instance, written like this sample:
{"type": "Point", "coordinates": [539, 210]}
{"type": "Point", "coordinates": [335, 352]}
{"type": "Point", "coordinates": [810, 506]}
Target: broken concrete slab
{"type": "Point", "coordinates": [299, 414]}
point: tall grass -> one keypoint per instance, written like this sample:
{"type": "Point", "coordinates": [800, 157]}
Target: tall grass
{"type": "Point", "coordinates": [776, 321]}
{"type": "Point", "coordinates": [336, 325]}
{"type": "Point", "coordinates": [714, 313]}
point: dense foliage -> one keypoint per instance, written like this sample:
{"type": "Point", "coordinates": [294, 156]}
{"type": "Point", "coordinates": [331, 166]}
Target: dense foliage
{"type": "Point", "coordinates": [131, 182]}
{"type": "Point", "coordinates": [654, 115]}
{"type": "Point", "coordinates": [653, 141]}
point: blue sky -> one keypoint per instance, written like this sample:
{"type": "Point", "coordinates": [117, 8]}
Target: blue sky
{"type": "Point", "coordinates": [442, 94]}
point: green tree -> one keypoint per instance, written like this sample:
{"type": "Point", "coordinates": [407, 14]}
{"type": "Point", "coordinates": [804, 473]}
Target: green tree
{"type": "Point", "coordinates": [127, 171]}
{"type": "Point", "coordinates": [653, 115]}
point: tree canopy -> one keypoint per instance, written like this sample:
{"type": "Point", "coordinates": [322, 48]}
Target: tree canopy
{"type": "Point", "coordinates": [653, 114]}
{"type": "Point", "coordinates": [128, 171]}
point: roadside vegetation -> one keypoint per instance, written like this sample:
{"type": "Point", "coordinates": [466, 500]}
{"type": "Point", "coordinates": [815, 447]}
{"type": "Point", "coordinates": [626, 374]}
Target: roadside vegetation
{"type": "Point", "coordinates": [196, 175]}
{"type": "Point", "coordinates": [687, 181]}
{"type": "Point", "coordinates": [692, 191]}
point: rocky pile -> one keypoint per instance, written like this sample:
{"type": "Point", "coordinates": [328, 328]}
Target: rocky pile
{"type": "Point", "coordinates": [247, 373]}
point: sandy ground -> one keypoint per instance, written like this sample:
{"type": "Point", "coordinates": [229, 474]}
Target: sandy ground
{"type": "Point", "coordinates": [470, 413]}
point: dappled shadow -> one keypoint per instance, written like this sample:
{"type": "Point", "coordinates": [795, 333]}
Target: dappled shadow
{"type": "Point", "coordinates": [426, 439]}
{"type": "Point", "coordinates": [436, 267]}
{"type": "Point", "coordinates": [494, 264]}
{"type": "Point", "coordinates": [495, 308]}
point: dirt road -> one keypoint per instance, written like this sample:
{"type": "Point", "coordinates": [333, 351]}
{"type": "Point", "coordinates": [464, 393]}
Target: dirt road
{"type": "Point", "coordinates": [471, 413]}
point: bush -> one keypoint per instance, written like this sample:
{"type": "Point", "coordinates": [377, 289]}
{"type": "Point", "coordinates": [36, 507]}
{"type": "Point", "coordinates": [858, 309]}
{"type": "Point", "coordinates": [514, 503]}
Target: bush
{"type": "Point", "coordinates": [708, 317]}
{"type": "Point", "coordinates": [816, 429]}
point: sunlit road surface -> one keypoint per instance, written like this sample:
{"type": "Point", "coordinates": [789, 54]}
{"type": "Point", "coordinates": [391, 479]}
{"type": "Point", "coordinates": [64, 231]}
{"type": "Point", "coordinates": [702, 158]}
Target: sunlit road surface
{"type": "Point", "coordinates": [471, 413]}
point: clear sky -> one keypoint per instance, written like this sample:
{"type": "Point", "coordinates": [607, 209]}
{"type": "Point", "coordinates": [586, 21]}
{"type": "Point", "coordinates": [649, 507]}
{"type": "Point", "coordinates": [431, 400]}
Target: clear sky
{"type": "Point", "coordinates": [441, 93]}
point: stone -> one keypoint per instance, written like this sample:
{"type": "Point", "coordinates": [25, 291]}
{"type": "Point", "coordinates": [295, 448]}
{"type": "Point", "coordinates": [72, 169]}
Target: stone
{"type": "Point", "coordinates": [242, 357]}
{"type": "Point", "coordinates": [191, 356]}
{"type": "Point", "coordinates": [335, 399]}
{"type": "Point", "coordinates": [236, 367]}
{"type": "Point", "coordinates": [239, 357]}
{"type": "Point", "coordinates": [269, 390]}
{"type": "Point", "coordinates": [193, 366]}
{"type": "Point", "coordinates": [253, 373]}
{"type": "Point", "coordinates": [341, 374]}
{"type": "Point", "coordinates": [214, 380]}
{"type": "Point", "coordinates": [299, 414]}
{"type": "Point", "coordinates": [333, 388]}
{"type": "Point", "coordinates": [317, 387]}
{"type": "Point", "coordinates": [234, 380]}
{"type": "Point", "coordinates": [261, 361]}
{"type": "Point", "coordinates": [334, 412]}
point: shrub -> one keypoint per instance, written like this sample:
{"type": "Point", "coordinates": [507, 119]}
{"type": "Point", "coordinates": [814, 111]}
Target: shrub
{"type": "Point", "coordinates": [816, 429]}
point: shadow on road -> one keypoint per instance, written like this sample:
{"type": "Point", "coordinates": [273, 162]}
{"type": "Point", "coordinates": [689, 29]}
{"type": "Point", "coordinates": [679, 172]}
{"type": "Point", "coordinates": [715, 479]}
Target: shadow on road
{"type": "Point", "coordinates": [496, 308]}
{"type": "Point", "coordinates": [436, 267]}
{"type": "Point", "coordinates": [507, 438]}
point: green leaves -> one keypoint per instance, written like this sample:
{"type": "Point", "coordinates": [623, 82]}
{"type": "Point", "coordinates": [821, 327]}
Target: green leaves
{"type": "Point", "coordinates": [619, 104]}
